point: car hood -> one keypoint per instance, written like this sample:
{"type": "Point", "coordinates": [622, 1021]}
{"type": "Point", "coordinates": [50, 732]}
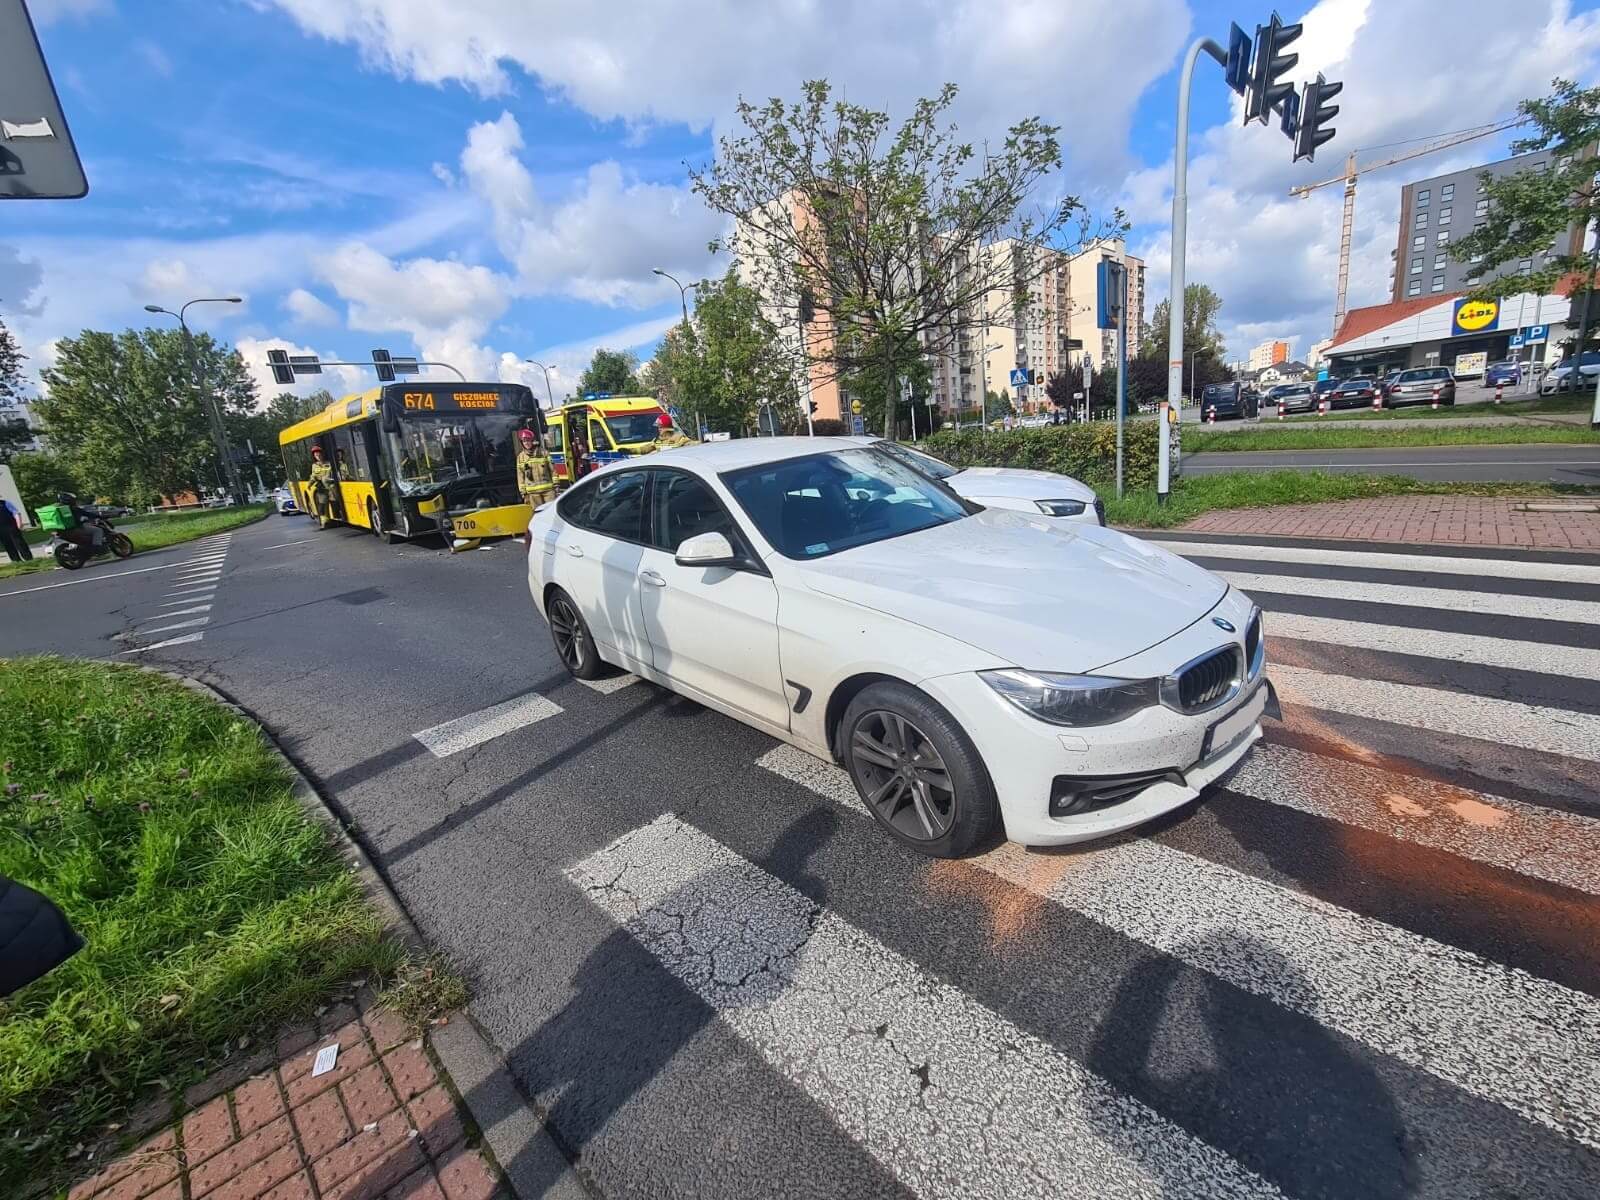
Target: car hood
{"type": "Point", "coordinates": [1033, 593]}
{"type": "Point", "coordinates": [977, 482]}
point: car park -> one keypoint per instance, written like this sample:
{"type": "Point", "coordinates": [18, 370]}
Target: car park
{"type": "Point", "coordinates": [1503, 374]}
{"type": "Point", "coordinates": [837, 599]}
{"type": "Point", "coordinates": [1422, 385]}
{"type": "Point", "coordinates": [1042, 493]}
{"type": "Point", "coordinates": [1220, 401]}
{"type": "Point", "coordinates": [1356, 392]}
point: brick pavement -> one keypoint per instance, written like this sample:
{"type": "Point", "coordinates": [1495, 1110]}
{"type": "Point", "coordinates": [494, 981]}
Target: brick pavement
{"type": "Point", "coordinates": [381, 1125]}
{"type": "Point", "coordinates": [1455, 520]}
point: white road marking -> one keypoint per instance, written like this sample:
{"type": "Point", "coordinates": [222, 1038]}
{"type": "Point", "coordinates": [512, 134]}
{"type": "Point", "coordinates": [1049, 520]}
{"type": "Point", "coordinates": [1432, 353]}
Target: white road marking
{"type": "Point", "coordinates": [474, 729]}
{"type": "Point", "coordinates": [1548, 571]}
{"type": "Point", "coordinates": [162, 629]}
{"type": "Point", "coordinates": [281, 545]}
{"type": "Point", "coordinates": [1539, 727]}
{"type": "Point", "coordinates": [177, 641]}
{"type": "Point", "coordinates": [1495, 1031]}
{"type": "Point", "coordinates": [1443, 599]}
{"type": "Point", "coordinates": [194, 592]}
{"type": "Point", "coordinates": [1575, 662]}
{"type": "Point", "coordinates": [949, 1096]}
{"type": "Point", "coordinates": [182, 612]}
{"type": "Point", "coordinates": [611, 683]}
{"type": "Point", "coordinates": [95, 578]}
{"type": "Point", "coordinates": [1544, 843]}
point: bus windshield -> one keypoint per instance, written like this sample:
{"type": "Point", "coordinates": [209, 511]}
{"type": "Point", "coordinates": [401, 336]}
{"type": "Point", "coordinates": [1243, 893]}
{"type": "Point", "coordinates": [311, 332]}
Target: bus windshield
{"type": "Point", "coordinates": [633, 426]}
{"type": "Point", "coordinates": [433, 450]}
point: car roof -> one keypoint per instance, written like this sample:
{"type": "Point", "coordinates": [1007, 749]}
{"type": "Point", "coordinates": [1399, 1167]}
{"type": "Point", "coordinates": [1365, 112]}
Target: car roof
{"type": "Point", "coordinates": [752, 452]}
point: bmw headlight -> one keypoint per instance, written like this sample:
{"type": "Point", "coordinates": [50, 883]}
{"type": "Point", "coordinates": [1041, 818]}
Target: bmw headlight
{"type": "Point", "coordinates": [1080, 701]}
{"type": "Point", "coordinates": [1061, 508]}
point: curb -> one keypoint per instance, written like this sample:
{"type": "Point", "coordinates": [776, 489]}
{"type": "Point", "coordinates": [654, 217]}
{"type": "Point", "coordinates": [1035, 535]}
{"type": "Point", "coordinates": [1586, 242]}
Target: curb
{"type": "Point", "coordinates": [528, 1156]}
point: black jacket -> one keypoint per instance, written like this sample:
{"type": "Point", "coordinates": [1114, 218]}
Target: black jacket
{"type": "Point", "coordinates": [34, 936]}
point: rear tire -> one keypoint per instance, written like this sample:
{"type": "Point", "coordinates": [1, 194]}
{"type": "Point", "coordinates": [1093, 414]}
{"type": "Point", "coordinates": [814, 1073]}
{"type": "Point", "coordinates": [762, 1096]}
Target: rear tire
{"type": "Point", "coordinates": [897, 744]}
{"type": "Point", "coordinates": [121, 545]}
{"type": "Point", "coordinates": [67, 555]}
{"type": "Point", "coordinates": [575, 645]}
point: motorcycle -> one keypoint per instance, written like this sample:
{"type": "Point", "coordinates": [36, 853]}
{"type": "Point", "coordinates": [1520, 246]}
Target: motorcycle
{"type": "Point", "coordinates": [72, 556]}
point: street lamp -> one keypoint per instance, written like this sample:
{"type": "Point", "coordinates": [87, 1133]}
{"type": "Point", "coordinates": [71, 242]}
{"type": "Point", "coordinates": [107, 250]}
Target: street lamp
{"type": "Point", "coordinates": [983, 400]}
{"type": "Point", "coordinates": [219, 432]}
{"type": "Point", "coordinates": [549, 395]}
{"type": "Point", "coordinates": [683, 290]}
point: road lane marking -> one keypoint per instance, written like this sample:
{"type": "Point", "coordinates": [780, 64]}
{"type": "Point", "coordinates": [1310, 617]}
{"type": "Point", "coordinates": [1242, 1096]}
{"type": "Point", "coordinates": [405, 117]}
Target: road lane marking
{"type": "Point", "coordinates": [610, 684]}
{"type": "Point", "coordinates": [1509, 653]}
{"type": "Point", "coordinates": [177, 641]}
{"type": "Point", "coordinates": [47, 587]}
{"type": "Point", "coordinates": [1549, 572]}
{"type": "Point", "coordinates": [949, 1096]}
{"type": "Point", "coordinates": [209, 589]}
{"type": "Point", "coordinates": [139, 633]}
{"type": "Point", "coordinates": [181, 612]}
{"type": "Point", "coordinates": [1444, 599]}
{"type": "Point", "coordinates": [281, 545]}
{"type": "Point", "coordinates": [1498, 1032]}
{"type": "Point", "coordinates": [1543, 843]}
{"type": "Point", "coordinates": [474, 729]}
{"type": "Point", "coordinates": [1541, 727]}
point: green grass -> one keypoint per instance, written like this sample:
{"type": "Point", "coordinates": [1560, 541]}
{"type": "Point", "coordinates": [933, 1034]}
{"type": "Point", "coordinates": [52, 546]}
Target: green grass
{"type": "Point", "coordinates": [211, 907]}
{"type": "Point", "coordinates": [1300, 436]}
{"type": "Point", "coordinates": [1197, 494]}
{"type": "Point", "coordinates": [149, 533]}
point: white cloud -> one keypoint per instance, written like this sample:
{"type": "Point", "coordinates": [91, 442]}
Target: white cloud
{"type": "Point", "coordinates": [1274, 259]}
{"type": "Point", "coordinates": [154, 57]}
{"type": "Point", "coordinates": [568, 360]}
{"type": "Point", "coordinates": [48, 12]}
{"type": "Point", "coordinates": [338, 380]}
{"type": "Point", "coordinates": [308, 309]}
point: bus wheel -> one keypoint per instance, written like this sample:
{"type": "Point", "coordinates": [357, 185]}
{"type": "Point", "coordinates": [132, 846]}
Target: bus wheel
{"type": "Point", "coordinates": [376, 524]}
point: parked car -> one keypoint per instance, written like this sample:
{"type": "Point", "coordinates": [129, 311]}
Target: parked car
{"type": "Point", "coordinates": [1229, 400]}
{"type": "Point", "coordinates": [977, 672]}
{"type": "Point", "coordinates": [1296, 397]}
{"type": "Point", "coordinates": [1503, 374]}
{"type": "Point", "coordinates": [1357, 392]}
{"type": "Point", "coordinates": [1559, 377]}
{"type": "Point", "coordinates": [1043, 493]}
{"type": "Point", "coordinates": [1419, 385]}
{"type": "Point", "coordinates": [1274, 392]}
{"type": "Point", "coordinates": [1324, 388]}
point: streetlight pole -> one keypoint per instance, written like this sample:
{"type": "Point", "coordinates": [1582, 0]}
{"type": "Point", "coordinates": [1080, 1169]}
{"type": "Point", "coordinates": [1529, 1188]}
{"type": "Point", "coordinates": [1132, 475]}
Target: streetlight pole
{"type": "Point", "coordinates": [549, 394]}
{"type": "Point", "coordinates": [219, 431]}
{"type": "Point", "coordinates": [683, 290]}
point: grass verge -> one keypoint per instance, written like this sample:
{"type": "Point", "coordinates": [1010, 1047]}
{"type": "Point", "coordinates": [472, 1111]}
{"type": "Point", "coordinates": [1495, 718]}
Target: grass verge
{"type": "Point", "coordinates": [1532, 406]}
{"type": "Point", "coordinates": [211, 908]}
{"type": "Point", "coordinates": [151, 533]}
{"type": "Point", "coordinates": [1332, 437]}
{"type": "Point", "coordinates": [1197, 494]}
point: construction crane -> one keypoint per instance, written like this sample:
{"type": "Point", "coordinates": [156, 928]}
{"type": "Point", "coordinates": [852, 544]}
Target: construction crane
{"type": "Point", "coordinates": [1443, 141]}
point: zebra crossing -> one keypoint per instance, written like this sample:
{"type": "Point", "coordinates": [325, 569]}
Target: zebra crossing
{"type": "Point", "coordinates": [195, 585]}
{"type": "Point", "coordinates": [1348, 972]}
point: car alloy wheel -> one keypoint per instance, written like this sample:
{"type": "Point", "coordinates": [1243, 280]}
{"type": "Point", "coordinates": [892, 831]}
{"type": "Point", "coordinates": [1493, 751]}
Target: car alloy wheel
{"type": "Point", "coordinates": [903, 776]}
{"type": "Point", "coordinates": [574, 643]}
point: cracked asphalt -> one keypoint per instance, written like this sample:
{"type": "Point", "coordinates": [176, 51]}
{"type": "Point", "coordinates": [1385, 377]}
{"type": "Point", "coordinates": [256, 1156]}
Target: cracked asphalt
{"type": "Point", "coordinates": [713, 977]}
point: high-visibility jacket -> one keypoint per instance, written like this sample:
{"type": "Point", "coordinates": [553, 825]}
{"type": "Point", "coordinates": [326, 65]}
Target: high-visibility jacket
{"type": "Point", "coordinates": [535, 477]}
{"type": "Point", "coordinates": [670, 439]}
{"type": "Point", "coordinates": [322, 472]}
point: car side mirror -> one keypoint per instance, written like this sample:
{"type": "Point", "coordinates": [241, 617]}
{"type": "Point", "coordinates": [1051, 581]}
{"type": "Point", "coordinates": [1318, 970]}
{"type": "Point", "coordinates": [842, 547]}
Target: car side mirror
{"type": "Point", "coordinates": [708, 550]}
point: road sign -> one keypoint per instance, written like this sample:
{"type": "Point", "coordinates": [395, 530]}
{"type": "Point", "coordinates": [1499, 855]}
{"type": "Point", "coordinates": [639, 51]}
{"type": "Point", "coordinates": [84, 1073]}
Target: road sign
{"type": "Point", "coordinates": [1019, 377]}
{"type": "Point", "coordinates": [37, 158]}
{"type": "Point", "coordinates": [1518, 341]}
{"type": "Point", "coordinates": [855, 407]}
{"type": "Point", "coordinates": [1536, 334]}
{"type": "Point", "coordinates": [858, 426]}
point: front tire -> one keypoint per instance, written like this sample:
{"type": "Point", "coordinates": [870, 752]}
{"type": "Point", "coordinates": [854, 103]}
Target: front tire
{"type": "Point", "coordinates": [574, 643]}
{"type": "Point", "coordinates": [121, 545]}
{"type": "Point", "coordinates": [918, 772]}
{"type": "Point", "coordinates": [375, 523]}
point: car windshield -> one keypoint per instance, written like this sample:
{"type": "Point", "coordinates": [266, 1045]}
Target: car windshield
{"type": "Point", "coordinates": [431, 450]}
{"type": "Point", "coordinates": [925, 463]}
{"type": "Point", "coordinates": [634, 426]}
{"type": "Point", "coordinates": [1326, 385]}
{"type": "Point", "coordinates": [1358, 383]}
{"type": "Point", "coordinates": [823, 503]}
{"type": "Point", "coordinates": [1295, 391]}
{"type": "Point", "coordinates": [1218, 389]}
{"type": "Point", "coordinates": [1421, 375]}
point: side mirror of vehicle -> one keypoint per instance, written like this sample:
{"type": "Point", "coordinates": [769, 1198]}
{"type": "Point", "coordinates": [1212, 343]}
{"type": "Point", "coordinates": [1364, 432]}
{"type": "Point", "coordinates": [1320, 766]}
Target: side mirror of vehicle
{"type": "Point", "coordinates": [708, 550]}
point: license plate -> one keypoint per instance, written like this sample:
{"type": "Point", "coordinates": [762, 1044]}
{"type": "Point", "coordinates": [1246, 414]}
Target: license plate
{"type": "Point", "coordinates": [1225, 733]}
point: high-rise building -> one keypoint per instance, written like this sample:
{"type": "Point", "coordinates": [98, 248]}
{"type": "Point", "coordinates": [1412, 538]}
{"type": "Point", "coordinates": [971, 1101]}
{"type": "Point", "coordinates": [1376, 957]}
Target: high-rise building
{"type": "Point", "coordinates": [1268, 353]}
{"type": "Point", "coordinates": [1442, 208]}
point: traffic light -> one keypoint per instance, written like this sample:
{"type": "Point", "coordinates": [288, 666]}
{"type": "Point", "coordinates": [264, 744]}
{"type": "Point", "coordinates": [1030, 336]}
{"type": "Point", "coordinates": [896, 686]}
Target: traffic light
{"type": "Point", "coordinates": [380, 360]}
{"type": "Point", "coordinates": [1314, 113]}
{"type": "Point", "coordinates": [278, 360]}
{"type": "Point", "coordinates": [1237, 70]}
{"type": "Point", "coordinates": [1266, 94]}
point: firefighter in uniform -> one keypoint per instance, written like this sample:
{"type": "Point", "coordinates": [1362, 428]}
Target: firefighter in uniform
{"type": "Point", "coordinates": [667, 436]}
{"type": "Point", "coordinates": [535, 478]}
{"type": "Point", "coordinates": [321, 487]}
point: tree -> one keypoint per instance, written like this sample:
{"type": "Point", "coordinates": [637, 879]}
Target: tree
{"type": "Point", "coordinates": [611, 371]}
{"type": "Point", "coordinates": [728, 362]}
{"type": "Point", "coordinates": [1532, 211]}
{"type": "Point", "coordinates": [261, 430]}
{"type": "Point", "coordinates": [41, 476]}
{"type": "Point", "coordinates": [885, 243]}
{"type": "Point", "coordinates": [867, 384]}
{"type": "Point", "coordinates": [1200, 333]}
{"type": "Point", "coordinates": [124, 415]}
{"type": "Point", "coordinates": [11, 358]}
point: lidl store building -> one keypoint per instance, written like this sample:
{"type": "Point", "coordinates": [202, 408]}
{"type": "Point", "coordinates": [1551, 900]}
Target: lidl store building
{"type": "Point", "coordinates": [1447, 331]}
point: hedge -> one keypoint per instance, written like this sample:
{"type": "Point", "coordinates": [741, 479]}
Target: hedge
{"type": "Point", "coordinates": [1085, 452]}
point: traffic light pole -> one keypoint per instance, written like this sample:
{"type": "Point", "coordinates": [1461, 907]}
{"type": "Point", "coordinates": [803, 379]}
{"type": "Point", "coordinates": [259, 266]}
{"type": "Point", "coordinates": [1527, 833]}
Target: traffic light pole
{"type": "Point", "coordinates": [1180, 223]}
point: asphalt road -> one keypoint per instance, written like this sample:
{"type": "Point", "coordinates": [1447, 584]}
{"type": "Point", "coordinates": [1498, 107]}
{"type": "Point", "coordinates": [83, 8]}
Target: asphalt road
{"type": "Point", "coordinates": [1537, 463]}
{"type": "Point", "coordinates": [1363, 967]}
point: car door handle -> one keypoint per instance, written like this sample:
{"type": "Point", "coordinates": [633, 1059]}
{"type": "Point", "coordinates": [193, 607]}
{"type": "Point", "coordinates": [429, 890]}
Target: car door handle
{"type": "Point", "coordinates": [575, 551]}
{"type": "Point", "coordinates": [652, 579]}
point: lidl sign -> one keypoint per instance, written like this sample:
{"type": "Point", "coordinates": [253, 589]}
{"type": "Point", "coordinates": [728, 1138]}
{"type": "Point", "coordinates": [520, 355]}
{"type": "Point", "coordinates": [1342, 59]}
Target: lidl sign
{"type": "Point", "coordinates": [1473, 316]}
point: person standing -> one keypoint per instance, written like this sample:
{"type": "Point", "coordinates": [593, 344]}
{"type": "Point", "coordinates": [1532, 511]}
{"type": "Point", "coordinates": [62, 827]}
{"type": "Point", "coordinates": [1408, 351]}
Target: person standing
{"type": "Point", "coordinates": [535, 477]}
{"type": "Point", "coordinates": [321, 487]}
{"type": "Point", "coordinates": [16, 545]}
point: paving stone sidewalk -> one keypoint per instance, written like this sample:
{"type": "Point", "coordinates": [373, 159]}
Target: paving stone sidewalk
{"type": "Point", "coordinates": [380, 1125]}
{"type": "Point", "coordinates": [1455, 520]}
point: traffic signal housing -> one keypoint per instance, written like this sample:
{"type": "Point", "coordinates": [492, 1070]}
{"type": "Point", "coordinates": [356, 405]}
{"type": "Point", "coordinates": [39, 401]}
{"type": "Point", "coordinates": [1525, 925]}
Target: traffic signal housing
{"type": "Point", "coordinates": [282, 373]}
{"type": "Point", "coordinates": [1315, 113]}
{"type": "Point", "coordinates": [380, 360]}
{"type": "Point", "coordinates": [1267, 91]}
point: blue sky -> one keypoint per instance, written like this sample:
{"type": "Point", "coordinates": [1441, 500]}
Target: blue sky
{"type": "Point", "coordinates": [493, 179]}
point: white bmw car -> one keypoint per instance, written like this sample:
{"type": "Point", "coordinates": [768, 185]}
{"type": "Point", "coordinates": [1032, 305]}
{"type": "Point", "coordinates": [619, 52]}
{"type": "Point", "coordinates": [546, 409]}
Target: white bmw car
{"type": "Point", "coordinates": [977, 672]}
{"type": "Point", "coordinates": [1043, 492]}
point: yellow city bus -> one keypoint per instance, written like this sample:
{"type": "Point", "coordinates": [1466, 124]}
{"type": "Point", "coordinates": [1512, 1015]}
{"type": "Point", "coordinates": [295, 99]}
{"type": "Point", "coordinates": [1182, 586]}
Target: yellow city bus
{"type": "Point", "coordinates": [612, 428]}
{"type": "Point", "coordinates": [418, 458]}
